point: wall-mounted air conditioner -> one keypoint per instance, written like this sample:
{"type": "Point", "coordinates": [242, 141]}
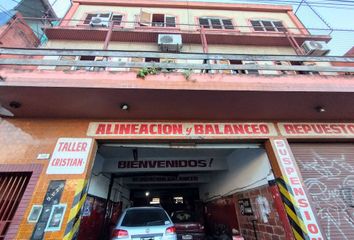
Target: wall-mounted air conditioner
{"type": "Point", "coordinates": [315, 48]}
{"type": "Point", "coordinates": [170, 42]}
{"type": "Point", "coordinates": [100, 21]}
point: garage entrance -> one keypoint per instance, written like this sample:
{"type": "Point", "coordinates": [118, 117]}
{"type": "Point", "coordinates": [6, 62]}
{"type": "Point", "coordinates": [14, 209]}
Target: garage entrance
{"type": "Point", "coordinates": [223, 189]}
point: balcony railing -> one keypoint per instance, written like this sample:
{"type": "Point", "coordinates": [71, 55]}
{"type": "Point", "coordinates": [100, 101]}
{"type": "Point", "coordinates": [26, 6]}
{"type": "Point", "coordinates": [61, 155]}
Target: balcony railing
{"type": "Point", "coordinates": [103, 60]}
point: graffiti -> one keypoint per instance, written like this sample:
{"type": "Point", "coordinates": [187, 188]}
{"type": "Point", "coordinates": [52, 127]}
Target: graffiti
{"type": "Point", "coordinates": [332, 192]}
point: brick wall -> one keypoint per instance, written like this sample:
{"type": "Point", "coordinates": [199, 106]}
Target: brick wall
{"type": "Point", "coordinates": [271, 230]}
{"type": "Point", "coordinates": [21, 140]}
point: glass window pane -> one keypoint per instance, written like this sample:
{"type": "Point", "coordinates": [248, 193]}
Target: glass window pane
{"type": "Point", "coordinates": [268, 26]}
{"type": "Point", "coordinates": [216, 23]}
{"type": "Point", "coordinates": [227, 24]}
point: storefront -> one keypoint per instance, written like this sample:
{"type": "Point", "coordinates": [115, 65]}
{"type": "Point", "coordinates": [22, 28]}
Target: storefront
{"type": "Point", "coordinates": [275, 180]}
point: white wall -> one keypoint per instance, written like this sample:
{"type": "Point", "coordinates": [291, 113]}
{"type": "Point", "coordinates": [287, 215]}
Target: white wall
{"type": "Point", "coordinates": [246, 168]}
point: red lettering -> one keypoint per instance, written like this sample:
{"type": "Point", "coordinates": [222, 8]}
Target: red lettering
{"type": "Point", "coordinates": [306, 128]}
{"type": "Point", "coordinates": [152, 129]}
{"type": "Point", "coordinates": [109, 129]}
{"type": "Point", "coordinates": [335, 129]}
{"type": "Point", "coordinates": [217, 129]}
{"type": "Point", "coordinates": [167, 129]}
{"type": "Point", "coordinates": [299, 191]}
{"type": "Point", "coordinates": [287, 160]}
{"type": "Point", "coordinates": [289, 170]}
{"type": "Point", "coordinates": [307, 215]}
{"type": "Point", "coordinates": [294, 180]}
{"type": "Point", "coordinates": [124, 129]}
{"type": "Point", "coordinates": [143, 129]}
{"type": "Point", "coordinates": [238, 129]}
{"type": "Point", "coordinates": [312, 228]}
{"type": "Point", "coordinates": [264, 128]}
{"type": "Point", "coordinates": [177, 129]}
{"type": "Point", "coordinates": [101, 129]}
{"type": "Point", "coordinates": [228, 129]}
{"type": "Point", "coordinates": [343, 128]}
{"type": "Point", "coordinates": [303, 203]}
{"type": "Point", "coordinates": [289, 129]}
{"type": "Point", "coordinates": [209, 129]}
{"type": "Point", "coordinates": [283, 152]}
{"type": "Point", "coordinates": [351, 128]}
{"type": "Point", "coordinates": [326, 129]}
{"type": "Point", "coordinates": [198, 129]}
{"type": "Point", "coordinates": [298, 128]}
{"type": "Point", "coordinates": [134, 129]}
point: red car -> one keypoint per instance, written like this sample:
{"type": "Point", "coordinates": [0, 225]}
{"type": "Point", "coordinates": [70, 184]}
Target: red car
{"type": "Point", "coordinates": [187, 226]}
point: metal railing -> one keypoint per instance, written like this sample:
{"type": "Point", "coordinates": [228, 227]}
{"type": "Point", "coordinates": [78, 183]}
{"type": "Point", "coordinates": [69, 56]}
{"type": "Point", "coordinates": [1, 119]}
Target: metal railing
{"type": "Point", "coordinates": [204, 62]}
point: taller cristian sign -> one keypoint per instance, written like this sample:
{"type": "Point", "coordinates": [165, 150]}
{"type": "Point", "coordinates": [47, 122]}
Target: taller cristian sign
{"type": "Point", "coordinates": [180, 130]}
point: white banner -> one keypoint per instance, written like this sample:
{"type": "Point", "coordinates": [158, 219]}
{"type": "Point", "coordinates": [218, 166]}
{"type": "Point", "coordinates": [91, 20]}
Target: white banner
{"type": "Point", "coordinates": [317, 130]}
{"type": "Point", "coordinates": [69, 156]}
{"type": "Point", "coordinates": [180, 130]}
{"type": "Point", "coordinates": [164, 165]}
{"type": "Point", "coordinates": [292, 178]}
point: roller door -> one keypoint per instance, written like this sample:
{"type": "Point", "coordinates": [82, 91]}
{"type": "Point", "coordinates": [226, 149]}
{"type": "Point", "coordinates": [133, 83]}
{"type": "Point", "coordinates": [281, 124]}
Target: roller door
{"type": "Point", "coordinates": [328, 173]}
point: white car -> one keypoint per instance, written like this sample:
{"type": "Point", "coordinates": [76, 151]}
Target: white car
{"type": "Point", "coordinates": [144, 223]}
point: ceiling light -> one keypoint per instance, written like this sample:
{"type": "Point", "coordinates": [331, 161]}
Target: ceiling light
{"type": "Point", "coordinates": [124, 107]}
{"type": "Point", "coordinates": [320, 109]}
{"type": "Point", "coordinates": [147, 194]}
{"type": "Point", "coordinates": [15, 104]}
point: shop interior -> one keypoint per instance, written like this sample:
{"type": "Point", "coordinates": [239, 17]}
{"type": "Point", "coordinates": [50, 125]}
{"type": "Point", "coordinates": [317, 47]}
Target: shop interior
{"type": "Point", "coordinates": [200, 178]}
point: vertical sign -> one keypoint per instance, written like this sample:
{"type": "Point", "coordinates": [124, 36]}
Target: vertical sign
{"type": "Point", "coordinates": [70, 156]}
{"type": "Point", "coordinates": [52, 198]}
{"type": "Point", "coordinates": [308, 222]}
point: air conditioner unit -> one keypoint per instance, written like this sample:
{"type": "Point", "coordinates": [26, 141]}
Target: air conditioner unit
{"type": "Point", "coordinates": [170, 42]}
{"type": "Point", "coordinates": [100, 21]}
{"type": "Point", "coordinates": [315, 48]}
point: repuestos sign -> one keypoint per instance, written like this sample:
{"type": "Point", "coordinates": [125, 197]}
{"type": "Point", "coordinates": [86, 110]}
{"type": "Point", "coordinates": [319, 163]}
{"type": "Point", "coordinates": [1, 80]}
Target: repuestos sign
{"type": "Point", "coordinates": [69, 156]}
{"type": "Point", "coordinates": [182, 130]}
{"type": "Point", "coordinates": [317, 129]}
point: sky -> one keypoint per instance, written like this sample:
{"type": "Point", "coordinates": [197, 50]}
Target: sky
{"type": "Point", "coordinates": [338, 17]}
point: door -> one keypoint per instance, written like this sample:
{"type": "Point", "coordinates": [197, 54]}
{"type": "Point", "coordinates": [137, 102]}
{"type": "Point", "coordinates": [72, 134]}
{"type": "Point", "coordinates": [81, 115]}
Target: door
{"type": "Point", "coordinates": [328, 173]}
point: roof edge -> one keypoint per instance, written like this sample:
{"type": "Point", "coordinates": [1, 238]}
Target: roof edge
{"type": "Point", "coordinates": [189, 5]}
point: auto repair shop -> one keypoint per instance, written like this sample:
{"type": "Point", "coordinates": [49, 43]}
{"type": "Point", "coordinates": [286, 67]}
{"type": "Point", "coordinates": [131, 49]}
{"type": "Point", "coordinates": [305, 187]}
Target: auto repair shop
{"type": "Point", "coordinates": [252, 180]}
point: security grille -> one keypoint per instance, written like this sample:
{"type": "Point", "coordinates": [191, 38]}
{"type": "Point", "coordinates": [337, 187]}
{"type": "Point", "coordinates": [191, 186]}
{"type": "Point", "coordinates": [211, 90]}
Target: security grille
{"type": "Point", "coordinates": [12, 187]}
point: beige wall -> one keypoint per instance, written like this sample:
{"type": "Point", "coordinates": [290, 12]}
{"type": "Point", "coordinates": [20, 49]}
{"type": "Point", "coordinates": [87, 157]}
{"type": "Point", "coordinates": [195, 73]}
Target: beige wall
{"type": "Point", "coordinates": [185, 16]}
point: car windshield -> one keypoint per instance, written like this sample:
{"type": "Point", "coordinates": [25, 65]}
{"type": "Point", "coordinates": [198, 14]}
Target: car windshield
{"type": "Point", "coordinates": [144, 217]}
{"type": "Point", "coordinates": [181, 217]}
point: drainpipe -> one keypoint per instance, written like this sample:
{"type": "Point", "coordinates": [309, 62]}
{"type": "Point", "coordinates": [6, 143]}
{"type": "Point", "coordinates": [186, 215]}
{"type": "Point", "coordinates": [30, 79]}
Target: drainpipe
{"type": "Point", "coordinates": [108, 36]}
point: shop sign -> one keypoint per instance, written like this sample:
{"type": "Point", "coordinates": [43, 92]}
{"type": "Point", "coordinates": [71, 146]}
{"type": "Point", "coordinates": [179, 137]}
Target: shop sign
{"type": "Point", "coordinates": [245, 207]}
{"type": "Point", "coordinates": [180, 130]}
{"type": "Point", "coordinates": [69, 156]}
{"type": "Point", "coordinates": [181, 178]}
{"type": "Point", "coordinates": [292, 178]}
{"type": "Point", "coordinates": [51, 212]}
{"type": "Point", "coordinates": [164, 165]}
{"type": "Point", "coordinates": [341, 130]}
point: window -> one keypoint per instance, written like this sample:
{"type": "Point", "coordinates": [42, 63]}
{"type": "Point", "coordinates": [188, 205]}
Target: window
{"type": "Point", "coordinates": [216, 23]}
{"type": "Point", "coordinates": [157, 20]}
{"type": "Point", "coordinates": [267, 26]}
{"type": "Point", "coordinates": [116, 18]}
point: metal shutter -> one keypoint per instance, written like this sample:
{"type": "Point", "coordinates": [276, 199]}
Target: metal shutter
{"type": "Point", "coordinates": [328, 173]}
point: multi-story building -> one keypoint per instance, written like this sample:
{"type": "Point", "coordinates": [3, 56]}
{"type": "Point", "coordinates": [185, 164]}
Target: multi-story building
{"type": "Point", "coordinates": [210, 107]}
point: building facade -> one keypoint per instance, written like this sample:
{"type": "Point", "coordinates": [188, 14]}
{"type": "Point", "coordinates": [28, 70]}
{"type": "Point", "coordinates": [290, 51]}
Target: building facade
{"type": "Point", "coordinates": [208, 106]}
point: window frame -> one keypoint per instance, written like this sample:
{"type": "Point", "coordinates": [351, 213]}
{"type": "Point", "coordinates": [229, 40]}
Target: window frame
{"type": "Point", "coordinates": [86, 22]}
{"type": "Point", "coordinates": [223, 27]}
{"type": "Point", "coordinates": [277, 29]}
{"type": "Point", "coordinates": [151, 24]}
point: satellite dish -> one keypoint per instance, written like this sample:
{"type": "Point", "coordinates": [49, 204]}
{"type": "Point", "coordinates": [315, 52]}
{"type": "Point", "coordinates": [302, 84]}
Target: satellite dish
{"type": "Point", "coordinates": [5, 112]}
